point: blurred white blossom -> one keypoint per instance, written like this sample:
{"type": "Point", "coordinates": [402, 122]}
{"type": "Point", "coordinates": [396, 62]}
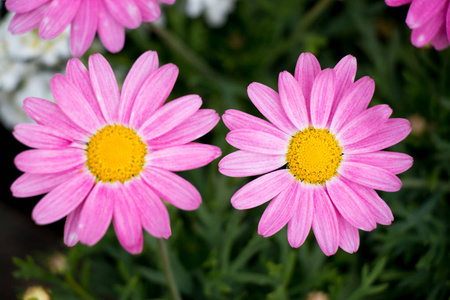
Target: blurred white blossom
{"type": "Point", "coordinates": [11, 105]}
{"type": "Point", "coordinates": [29, 46]}
{"type": "Point", "coordinates": [36, 293]}
{"type": "Point", "coordinates": [26, 65]}
{"type": "Point", "coordinates": [216, 11]}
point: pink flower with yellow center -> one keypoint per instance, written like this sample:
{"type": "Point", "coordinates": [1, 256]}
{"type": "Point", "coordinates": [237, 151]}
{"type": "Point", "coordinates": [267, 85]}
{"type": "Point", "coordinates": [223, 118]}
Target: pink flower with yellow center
{"type": "Point", "coordinates": [107, 17]}
{"type": "Point", "coordinates": [429, 21]}
{"type": "Point", "coordinates": [321, 129]}
{"type": "Point", "coordinates": [104, 155]}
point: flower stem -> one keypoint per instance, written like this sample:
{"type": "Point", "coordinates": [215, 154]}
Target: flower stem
{"type": "Point", "coordinates": [313, 14]}
{"type": "Point", "coordinates": [167, 270]}
{"type": "Point", "coordinates": [77, 288]}
{"type": "Point", "coordinates": [200, 64]}
{"type": "Point", "coordinates": [289, 269]}
{"type": "Point", "coordinates": [184, 51]}
{"type": "Point", "coordinates": [420, 183]}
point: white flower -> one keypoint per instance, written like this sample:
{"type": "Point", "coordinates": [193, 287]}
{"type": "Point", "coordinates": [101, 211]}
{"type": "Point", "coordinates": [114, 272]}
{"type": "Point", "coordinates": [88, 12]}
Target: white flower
{"type": "Point", "coordinates": [35, 85]}
{"type": "Point", "coordinates": [11, 74]}
{"type": "Point", "coordinates": [26, 65]}
{"type": "Point", "coordinates": [216, 11]}
{"type": "Point", "coordinates": [19, 54]}
{"type": "Point", "coordinates": [29, 46]}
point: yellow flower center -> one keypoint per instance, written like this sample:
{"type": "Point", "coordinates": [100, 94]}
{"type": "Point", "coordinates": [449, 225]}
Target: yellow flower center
{"type": "Point", "coordinates": [115, 153]}
{"type": "Point", "coordinates": [314, 155]}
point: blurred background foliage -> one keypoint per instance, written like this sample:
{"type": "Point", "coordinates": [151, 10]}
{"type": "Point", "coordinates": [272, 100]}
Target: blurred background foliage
{"type": "Point", "coordinates": [215, 251]}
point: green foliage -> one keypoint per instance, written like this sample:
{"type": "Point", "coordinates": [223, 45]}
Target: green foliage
{"type": "Point", "coordinates": [215, 251]}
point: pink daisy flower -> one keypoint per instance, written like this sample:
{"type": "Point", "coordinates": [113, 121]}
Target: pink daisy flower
{"type": "Point", "coordinates": [86, 17]}
{"type": "Point", "coordinates": [429, 21]}
{"type": "Point", "coordinates": [321, 129]}
{"type": "Point", "coordinates": [106, 155]}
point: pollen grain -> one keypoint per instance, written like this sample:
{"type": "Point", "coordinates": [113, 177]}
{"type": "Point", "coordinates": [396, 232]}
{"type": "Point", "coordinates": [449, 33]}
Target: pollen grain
{"type": "Point", "coordinates": [314, 155]}
{"type": "Point", "coordinates": [115, 153]}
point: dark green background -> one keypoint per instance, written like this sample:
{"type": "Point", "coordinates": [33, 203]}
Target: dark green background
{"type": "Point", "coordinates": [215, 251]}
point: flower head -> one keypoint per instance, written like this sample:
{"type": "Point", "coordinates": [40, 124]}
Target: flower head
{"type": "Point", "coordinates": [429, 21]}
{"type": "Point", "coordinates": [57, 263]}
{"type": "Point", "coordinates": [27, 63]}
{"type": "Point", "coordinates": [321, 129]}
{"type": "Point", "coordinates": [33, 83]}
{"type": "Point", "coordinates": [36, 292]}
{"type": "Point", "coordinates": [107, 17]}
{"type": "Point", "coordinates": [104, 155]}
{"type": "Point", "coordinates": [29, 47]}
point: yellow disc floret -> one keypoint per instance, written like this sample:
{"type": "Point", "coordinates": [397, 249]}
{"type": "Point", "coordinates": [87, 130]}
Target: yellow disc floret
{"type": "Point", "coordinates": [314, 155]}
{"type": "Point", "coordinates": [115, 153]}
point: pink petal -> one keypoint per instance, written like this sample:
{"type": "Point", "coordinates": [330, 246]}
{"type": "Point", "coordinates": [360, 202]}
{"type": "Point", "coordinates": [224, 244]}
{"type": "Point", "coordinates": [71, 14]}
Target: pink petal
{"type": "Point", "coordinates": [71, 227]}
{"type": "Point", "coordinates": [49, 161]}
{"type": "Point", "coordinates": [97, 214]}
{"type": "Point", "coordinates": [105, 86]}
{"type": "Point", "coordinates": [49, 114]}
{"type": "Point", "coordinates": [345, 71]}
{"type": "Point", "coordinates": [423, 34]}
{"type": "Point", "coordinates": [262, 189]}
{"type": "Point", "coordinates": [150, 10]}
{"type": "Point", "coordinates": [79, 76]}
{"type": "Point", "coordinates": [58, 16]}
{"type": "Point", "coordinates": [421, 11]}
{"type": "Point", "coordinates": [74, 104]}
{"type": "Point", "coordinates": [170, 115]}
{"type": "Point", "coordinates": [172, 188]}
{"type": "Point", "coordinates": [127, 219]}
{"type": "Point", "coordinates": [381, 212]}
{"type": "Point", "coordinates": [154, 91]}
{"type": "Point", "coordinates": [324, 223]}
{"type": "Point", "coordinates": [40, 136]}
{"type": "Point", "coordinates": [257, 142]}
{"type": "Point", "coordinates": [125, 12]}
{"type": "Point", "coordinates": [300, 223]}
{"type": "Point", "coordinates": [306, 71]}
{"type": "Point", "coordinates": [441, 40]}
{"type": "Point", "coordinates": [364, 125]}
{"type": "Point", "coordinates": [243, 164]}
{"type": "Point", "coordinates": [292, 100]}
{"type": "Point", "coordinates": [392, 132]}
{"type": "Point", "coordinates": [350, 204]}
{"type": "Point", "coordinates": [184, 157]}
{"type": "Point", "coordinates": [354, 102]}
{"type": "Point", "coordinates": [348, 235]}
{"type": "Point", "coordinates": [29, 185]}
{"type": "Point", "coordinates": [370, 176]}
{"type": "Point", "coordinates": [24, 22]}
{"type": "Point", "coordinates": [111, 33]}
{"type": "Point", "coordinates": [144, 66]}
{"type": "Point", "coordinates": [278, 212]}
{"type": "Point", "coordinates": [235, 119]}
{"type": "Point", "coordinates": [154, 214]}
{"type": "Point", "coordinates": [23, 6]}
{"type": "Point", "coordinates": [63, 199]}
{"type": "Point", "coordinates": [322, 97]}
{"type": "Point", "coordinates": [397, 2]}
{"type": "Point", "coordinates": [192, 128]}
{"type": "Point", "coordinates": [268, 102]}
{"type": "Point", "coordinates": [391, 161]}
{"type": "Point", "coordinates": [84, 27]}
{"type": "Point", "coordinates": [447, 23]}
